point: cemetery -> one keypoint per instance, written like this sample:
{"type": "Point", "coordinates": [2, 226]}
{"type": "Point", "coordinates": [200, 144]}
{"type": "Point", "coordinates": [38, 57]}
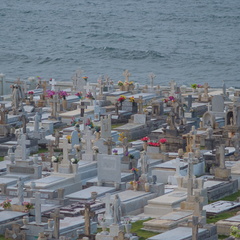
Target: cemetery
{"type": "Point", "coordinates": [92, 160]}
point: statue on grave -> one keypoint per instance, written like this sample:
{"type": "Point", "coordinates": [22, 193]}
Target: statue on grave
{"type": "Point", "coordinates": [144, 162]}
{"type": "Point", "coordinates": [209, 133]}
{"type": "Point", "coordinates": [117, 210]}
{"type": "Point", "coordinates": [17, 96]}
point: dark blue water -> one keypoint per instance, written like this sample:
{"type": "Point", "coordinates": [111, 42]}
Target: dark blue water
{"type": "Point", "coordinates": [186, 41]}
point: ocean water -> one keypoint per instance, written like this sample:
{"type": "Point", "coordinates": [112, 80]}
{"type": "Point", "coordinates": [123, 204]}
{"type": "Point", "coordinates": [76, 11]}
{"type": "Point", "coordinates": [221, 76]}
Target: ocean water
{"type": "Point", "coordinates": [186, 41]}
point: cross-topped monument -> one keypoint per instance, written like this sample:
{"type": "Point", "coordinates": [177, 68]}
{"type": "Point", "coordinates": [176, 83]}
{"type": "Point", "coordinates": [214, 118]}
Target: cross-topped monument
{"type": "Point", "coordinates": [38, 202]}
{"type": "Point", "coordinates": [56, 216]}
{"type": "Point", "coordinates": [76, 78]}
{"type": "Point", "coordinates": [3, 114]}
{"type": "Point", "coordinates": [126, 74]}
{"type": "Point", "coordinates": [151, 76]}
{"type": "Point", "coordinates": [88, 214]}
{"type": "Point", "coordinates": [53, 83]}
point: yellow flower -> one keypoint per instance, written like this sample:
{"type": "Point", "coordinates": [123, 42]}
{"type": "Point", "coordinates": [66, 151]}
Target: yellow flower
{"type": "Point", "coordinates": [68, 137]}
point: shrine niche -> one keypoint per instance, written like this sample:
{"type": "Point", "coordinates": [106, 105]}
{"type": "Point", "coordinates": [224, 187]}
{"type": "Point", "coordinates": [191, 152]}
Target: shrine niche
{"type": "Point", "coordinates": [208, 120]}
{"type": "Point", "coordinates": [229, 118]}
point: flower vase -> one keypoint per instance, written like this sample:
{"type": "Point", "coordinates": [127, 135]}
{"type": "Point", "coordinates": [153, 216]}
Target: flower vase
{"type": "Point", "coordinates": [50, 224]}
{"type": "Point", "coordinates": [163, 147]}
{"type": "Point", "coordinates": [145, 146]}
{"type": "Point", "coordinates": [55, 166]}
{"type": "Point", "coordinates": [121, 88]}
{"type": "Point", "coordinates": [25, 221]}
{"type": "Point", "coordinates": [128, 227]}
{"type": "Point", "coordinates": [75, 168]}
{"type": "Point", "coordinates": [64, 104]}
{"type": "Point", "coordinates": [147, 187]}
{"type": "Point", "coordinates": [135, 186]}
{"type": "Point", "coordinates": [97, 135]}
{"type": "Point", "coordinates": [104, 227]}
{"type": "Point", "coordinates": [94, 196]}
{"type": "Point", "coordinates": [31, 97]}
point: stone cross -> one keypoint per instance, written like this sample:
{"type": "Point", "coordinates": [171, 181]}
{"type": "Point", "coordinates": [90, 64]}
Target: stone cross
{"type": "Point", "coordinates": [82, 108]}
{"type": "Point", "coordinates": [56, 216]}
{"type": "Point", "coordinates": [3, 114]}
{"type": "Point", "coordinates": [54, 103]}
{"type": "Point", "coordinates": [20, 185]}
{"type": "Point", "coordinates": [140, 105]}
{"type": "Point", "coordinates": [37, 119]}
{"type": "Point", "coordinates": [89, 138]}
{"type": "Point", "coordinates": [37, 201]}
{"type": "Point", "coordinates": [205, 85]}
{"type": "Point", "coordinates": [50, 149]}
{"type": "Point", "coordinates": [198, 204]}
{"type": "Point", "coordinates": [76, 79]}
{"type": "Point", "coordinates": [52, 82]}
{"type": "Point", "coordinates": [22, 141]}
{"type": "Point", "coordinates": [100, 85]}
{"type": "Point", "coordinates": [65, 160]}
{"type": "Point", "coordinates": [195, 224]}
{"type": "Point", "coordinates": [109, 144]}
{"type": "Point", "coordinates": [177, 164]}
{"type": "Point", "coordinates": [108, 212]}
{"type": "Point", "coordinates": [172, 87]}
{"type": "Point", "coordinates": [126, 74]}
{"type": "Point", "coordinates": [190, 176]}
{"type": "Point", "coordinates": [151, 76]}
{"type": "Point", "coordinates": [221, 151]}
{"type": "Point", "coordinates": [88, 214]}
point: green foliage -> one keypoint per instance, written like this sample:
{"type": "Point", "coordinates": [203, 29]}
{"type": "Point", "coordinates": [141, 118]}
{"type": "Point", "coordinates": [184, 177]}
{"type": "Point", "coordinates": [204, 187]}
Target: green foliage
{"type": "Point", "coordinates": [136, 228]}
{"type": "Point", "coordinates": [221, 216]}
{"type": "Point", "coordinates": [1, 159]}
{"type": "Point", "coordinates": [117, 125]}
{"type": "Point", "coordinates": [222, 236]}
{"type": "Point", "coordinates": [2, 237]}
{"type": "Point", "coordinates": [232, 197]}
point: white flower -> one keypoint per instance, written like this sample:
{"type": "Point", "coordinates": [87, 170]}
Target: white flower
{"type": "Point", "coordinates": [54, 159]}
{"type": "Point", "coordinates": [73, 160]}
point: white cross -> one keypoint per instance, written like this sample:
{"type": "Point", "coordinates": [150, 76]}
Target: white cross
{"type": "Point", "coordinates": [53, 83]}
{"type": "Point", "coordinates": [37, 201]}
{"type": "Point", "coordinates": [65, 151]}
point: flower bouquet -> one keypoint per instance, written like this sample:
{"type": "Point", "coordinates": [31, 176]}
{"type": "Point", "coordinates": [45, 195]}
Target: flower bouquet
{"type": "Point", "coordinates": [85, 78]}
{"type": "Point", "coordinates": [154, 144]}
{"type": "Point", "coordinates": [90, 96]}
{"type": "Point", "coordinates": [63, 94]}
{"type": "Point", "coordinates": [74, 160]}
{"type": "Point", "coordinates": [145, 139]}
{"type": "Point", "coordinates": [50, 93]}
{"type": "Point", "coordinates": [121, 99]}
{"type": "Point", "coordinates": [31, 92]}
{"type": "Point", "coordinates": [79, 94]}
{"type": "Point", "coordinates": [55, 159]}
{"type": "Point", "coordinates": [132, 99]}
{"type": "Point", "coordinates": [28, 205]}
{"type": "Point", "coordinates": [115, 151]}
{"type": "Point", "coordinates": [120, 83]}
{"type": "Point", "coordinates": [6, 203]}
{"type": "Point", "coordinates": [162, 140]}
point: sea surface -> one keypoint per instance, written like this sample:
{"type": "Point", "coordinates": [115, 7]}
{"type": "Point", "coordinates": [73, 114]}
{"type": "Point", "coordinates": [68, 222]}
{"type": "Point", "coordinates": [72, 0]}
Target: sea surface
{"type": "Point", "coordinates": [188, 41]}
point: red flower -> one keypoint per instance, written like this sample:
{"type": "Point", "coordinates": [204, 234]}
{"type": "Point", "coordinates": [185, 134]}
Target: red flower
{"type": "Point", "coordinates": [163, 140]}
{"type": "Point", "coordinates": [145, 139]}
{"type": "Point", "coordinates": [154, 144]}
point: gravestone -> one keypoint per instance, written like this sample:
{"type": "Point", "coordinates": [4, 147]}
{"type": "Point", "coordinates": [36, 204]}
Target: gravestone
{"type": "Point", "coordinates": [106, 127]}
{"type": "Point", "coordinates": [218, 103]}
{"type": "Point", "coordinates": [109, 168]}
